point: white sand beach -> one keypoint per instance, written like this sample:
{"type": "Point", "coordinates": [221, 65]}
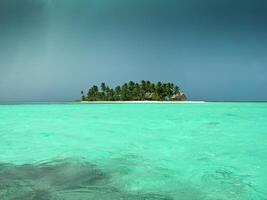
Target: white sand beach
{"type": "Point", "coordinates": [142, 102]}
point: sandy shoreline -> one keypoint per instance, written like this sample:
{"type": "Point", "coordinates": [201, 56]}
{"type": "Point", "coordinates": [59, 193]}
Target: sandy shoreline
{"type": "Point", "coordinates": [142, 102]}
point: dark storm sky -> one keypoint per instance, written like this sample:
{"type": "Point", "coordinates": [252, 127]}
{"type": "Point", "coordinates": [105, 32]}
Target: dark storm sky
{"type": "Point", "coordinates": [52, 49]}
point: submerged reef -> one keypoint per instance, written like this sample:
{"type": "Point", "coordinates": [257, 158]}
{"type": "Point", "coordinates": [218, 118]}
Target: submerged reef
{"type": "Point", "coordinates": [82, 180]}
{"type": "Point", "coordinates": [62, 180]}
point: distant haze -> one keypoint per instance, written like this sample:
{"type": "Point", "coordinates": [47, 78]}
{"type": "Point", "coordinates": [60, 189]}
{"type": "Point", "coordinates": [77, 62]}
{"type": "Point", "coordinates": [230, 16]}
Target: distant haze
{"type": "Point", "coordinates": [50, 50]}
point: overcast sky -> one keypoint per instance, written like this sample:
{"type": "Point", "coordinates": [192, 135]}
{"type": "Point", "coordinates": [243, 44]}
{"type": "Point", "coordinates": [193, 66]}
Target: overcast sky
{"type": "Point", "coordinates": [50, 50]}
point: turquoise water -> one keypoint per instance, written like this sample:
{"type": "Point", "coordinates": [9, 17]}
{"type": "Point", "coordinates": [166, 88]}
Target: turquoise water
{"type": "Point", "coordinates": [213, 151]}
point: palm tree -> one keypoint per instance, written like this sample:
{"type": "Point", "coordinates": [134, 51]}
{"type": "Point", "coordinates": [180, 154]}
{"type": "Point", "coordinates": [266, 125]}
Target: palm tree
{"type": "Point", "coordinates": [118, 89]}
{"type": "Point", "coordinates": [153, 87]}
{"type": "Point", "coordinates": [83, 97]}
{"type": "Point", "coordinates": [111, 95]}
{"type": "Point", "coordinates": [92, 94]}
{"type": "Point", "coordinates": [168, 89]}
{"type": "Point", "coordinates": [143, 84]}
{"type": "Point", "coordinates": [103, 91]}
{"type": "Point", "coordinates": [159, 90]}
{"type": "Point", "coordinates": [103, 87]}
{"type": "Point", "coordinates": [95, 89]}
{"type": "Point", "coordinates": [131, 85]}
{"type": "Point", "coordinates": [176, 89]}
{"type": "Point", "coordinates": [124, 92]}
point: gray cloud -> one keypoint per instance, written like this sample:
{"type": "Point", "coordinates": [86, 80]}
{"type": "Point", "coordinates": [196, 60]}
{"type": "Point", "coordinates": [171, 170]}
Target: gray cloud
{"type": "Point", "coordinates": [50, 50]}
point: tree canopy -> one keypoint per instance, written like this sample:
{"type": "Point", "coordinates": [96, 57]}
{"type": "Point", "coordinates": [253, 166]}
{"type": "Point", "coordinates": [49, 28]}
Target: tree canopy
{"type": "Point", "coordinates": [131, 91]}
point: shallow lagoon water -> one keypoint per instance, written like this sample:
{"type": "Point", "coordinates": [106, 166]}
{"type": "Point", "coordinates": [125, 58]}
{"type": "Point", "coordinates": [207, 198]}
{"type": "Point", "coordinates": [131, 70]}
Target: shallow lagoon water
{"type": "Point", "coordinates": [211, 151]}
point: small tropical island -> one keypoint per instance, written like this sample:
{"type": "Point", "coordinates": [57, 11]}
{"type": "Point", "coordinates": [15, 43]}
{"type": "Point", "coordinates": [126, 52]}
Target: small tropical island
{"type": "Point", "coordinates": [131, 91]}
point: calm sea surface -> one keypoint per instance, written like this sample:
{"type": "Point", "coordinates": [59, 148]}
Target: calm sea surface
{"type": "Point", "coordinates": [212, 151]}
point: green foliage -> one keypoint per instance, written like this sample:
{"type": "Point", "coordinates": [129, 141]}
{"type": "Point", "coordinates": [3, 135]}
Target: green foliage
{"type": "Point", "coordinates": [83, 97]}
{"type": "Point", "coordinates": [131, 91]}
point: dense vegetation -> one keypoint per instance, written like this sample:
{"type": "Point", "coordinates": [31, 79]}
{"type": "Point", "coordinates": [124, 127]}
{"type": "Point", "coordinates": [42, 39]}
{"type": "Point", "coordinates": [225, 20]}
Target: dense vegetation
{"type": "Point", "coordinates": [145, 90]}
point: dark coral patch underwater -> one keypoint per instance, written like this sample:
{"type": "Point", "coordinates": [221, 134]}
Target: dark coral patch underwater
{"type": "Point", "coordinates": [62, 180]}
